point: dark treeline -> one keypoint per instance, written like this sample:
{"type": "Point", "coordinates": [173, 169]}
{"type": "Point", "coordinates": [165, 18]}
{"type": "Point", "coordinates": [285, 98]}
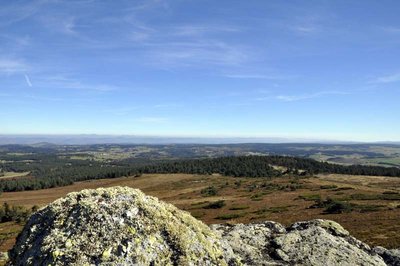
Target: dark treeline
{"type": "Point", "coordinates": [242, 166]}
{"type": "Point", "coordinates": [54, 175]}
{"type": "Point", "coordinates": [261, 166]}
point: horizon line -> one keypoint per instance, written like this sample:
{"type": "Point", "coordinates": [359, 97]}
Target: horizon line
{"type": "Point", "coordinates": [201, 138]}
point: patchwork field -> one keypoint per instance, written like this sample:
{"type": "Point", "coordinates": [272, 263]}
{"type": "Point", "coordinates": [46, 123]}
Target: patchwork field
{"type": "Point", "coordinates": [369, 206]}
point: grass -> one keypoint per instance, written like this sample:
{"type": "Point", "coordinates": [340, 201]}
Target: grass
{"type": "Point", "coordinates": [13, 174]}
{"type": "Point", "coordinates": [277, 209]}
{"type": "Point", "coordinates": [229, 216]}
{"type": "Point", "coordinates": [310, 197]}
{"type": "Point", "coordinates": [383, 196]}
{"type": "Point", "coordinates": [256, 197]}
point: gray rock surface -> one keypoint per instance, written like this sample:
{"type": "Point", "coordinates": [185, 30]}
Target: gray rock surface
{"type": "Point", "coordinates": [315, 242]}
{"type": "Point", "coordinates": [122, 226]}
{"type": "Point", "coordinates": [391, 257]}
{"type": "Point", "coordinates": [115, 226]}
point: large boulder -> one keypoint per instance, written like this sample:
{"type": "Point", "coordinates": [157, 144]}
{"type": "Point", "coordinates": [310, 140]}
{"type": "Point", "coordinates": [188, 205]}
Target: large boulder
{"type": "Point", "coordinates": [122, 226]}
{"type": "Point", "coordinates": [115, 226]}
{"type": "Point", "coordinates": [315, 242]}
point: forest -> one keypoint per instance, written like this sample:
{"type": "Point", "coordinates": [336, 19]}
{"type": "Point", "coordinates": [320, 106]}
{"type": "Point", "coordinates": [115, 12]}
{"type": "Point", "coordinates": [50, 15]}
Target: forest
{"type": "Point", "coordinates": [49, 171]}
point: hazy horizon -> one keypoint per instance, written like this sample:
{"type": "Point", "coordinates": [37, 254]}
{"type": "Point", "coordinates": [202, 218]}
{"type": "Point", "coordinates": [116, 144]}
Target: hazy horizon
{"type": "Point", "coordinates": [308, 70]}
{"type": "Point", "coordinates": [82, 139]}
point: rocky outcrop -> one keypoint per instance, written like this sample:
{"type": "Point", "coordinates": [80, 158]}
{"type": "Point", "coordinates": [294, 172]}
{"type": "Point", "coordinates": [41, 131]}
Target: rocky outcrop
{"type": "Point", "coordinates": [122, 226]}
{"type": "Point", "coordinates": [315, 242]}
{"type": "Point", "coordinates": [115, 226]}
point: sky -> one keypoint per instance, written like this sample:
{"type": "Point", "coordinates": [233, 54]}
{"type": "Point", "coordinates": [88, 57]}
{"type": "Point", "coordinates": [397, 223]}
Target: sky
{"type": "Point", "coordinates": [227, 68]}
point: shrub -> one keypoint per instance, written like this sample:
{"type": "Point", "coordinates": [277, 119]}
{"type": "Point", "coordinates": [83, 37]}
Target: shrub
{"type": "Point", "coordinates": [335, 206]}
{"type": "Point", "coordinates": [238, 183]}
{"type": "Point", "coordinates": [328, 187]}
{"type": "Point", "coordinates": [215, 205]}
{"type": "Point", "coordinates": [344, 188]}
{"type": "Point", "coordinates": [236, 208]}
{"type": "Point", "coordinates": [14, 213]}
{"type": "Point", "coordinates": [209, 191]}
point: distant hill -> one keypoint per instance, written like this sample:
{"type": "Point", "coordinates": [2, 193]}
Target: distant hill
{"type": "Point", "coordinates": [87, 139]}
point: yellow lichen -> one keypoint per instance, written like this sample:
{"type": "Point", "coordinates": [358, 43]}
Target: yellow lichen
{"type": "Point", "coordinates": [56, 253]}
{"type": "Point", "coordinates": [68, 244]}
{"type": "Point", "coordinates": [106, 254]}
{"type": "Point", "coordinates": [132, 230]}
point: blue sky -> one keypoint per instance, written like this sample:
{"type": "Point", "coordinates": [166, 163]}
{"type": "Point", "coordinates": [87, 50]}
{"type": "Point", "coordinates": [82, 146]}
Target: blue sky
{"type": "Point", "coordinates": [295, 69]}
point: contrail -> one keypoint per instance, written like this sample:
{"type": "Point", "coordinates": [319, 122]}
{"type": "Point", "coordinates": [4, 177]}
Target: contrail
{"type": "Point", "coordinates": [28, 81]}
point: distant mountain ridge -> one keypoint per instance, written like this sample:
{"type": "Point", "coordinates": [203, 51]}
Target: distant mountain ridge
{"type": "Point", "coordinates": [87, 139]}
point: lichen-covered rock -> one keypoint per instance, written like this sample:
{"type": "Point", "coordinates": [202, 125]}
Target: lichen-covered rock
{"type": "Point", "coordinates": [116, 226]}
{"type": "Point", "coordinates": [315, 242]}
{"type": "Point", "coordinates": [324, 242]}
{"type": "Point", "coordinates": [252, 242]}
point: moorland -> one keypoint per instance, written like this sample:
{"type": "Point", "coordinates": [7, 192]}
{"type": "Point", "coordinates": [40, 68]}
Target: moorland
{"type": "Point", "coordinates": [217, 183]}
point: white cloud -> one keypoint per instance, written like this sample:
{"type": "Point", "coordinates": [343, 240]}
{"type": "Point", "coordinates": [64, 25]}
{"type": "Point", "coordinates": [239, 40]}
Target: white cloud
{"type": "Point", "coordinates": [388, 79]}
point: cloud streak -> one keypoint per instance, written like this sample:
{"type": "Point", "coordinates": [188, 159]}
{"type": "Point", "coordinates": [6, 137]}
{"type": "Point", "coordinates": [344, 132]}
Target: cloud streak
{"type": "Point", "coordinates": [61, 82]}
{"type": "Point", "coordinates": [28, 81]}
{"type": "Point", "coordinates": [295, 98]}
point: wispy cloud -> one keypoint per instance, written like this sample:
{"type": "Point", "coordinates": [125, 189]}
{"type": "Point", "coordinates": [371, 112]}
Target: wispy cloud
{"type": "Point", "coordinates": [260, 76]}
{"type": "Point", "coordinates": [168, 105]}
{"type": "Point", "coordinates": [196, 53]}
{"type": "Point", "coordinates": [28, 81]}
{"type": "Point", "coordinates": [13, 11]}
{"type": "Point", "coordinates": [122, 111]}
{"type": "Point", "coordinates": [149, 5]}
{"type": "Point", "coordinates": [130, 110]}
{"type": "Point", "coordinates": [12, 66]}
{"type": "Point", "coordinates": [391, 29]}
{"type": "Point", "coordinates": [304, 29]}
{"type": "Point", "coordinates": [44, 98]}
{"type": "Point", "coordinates": [388, 78]}
{"type": "Point", "coordinates": [294, 98]}
{"type": "Point", "coordinates": [61, 82]}
{"type": "Point", "coordinates": [197, 30]}
{"type": "Point", "coordinates": [152, 119]}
